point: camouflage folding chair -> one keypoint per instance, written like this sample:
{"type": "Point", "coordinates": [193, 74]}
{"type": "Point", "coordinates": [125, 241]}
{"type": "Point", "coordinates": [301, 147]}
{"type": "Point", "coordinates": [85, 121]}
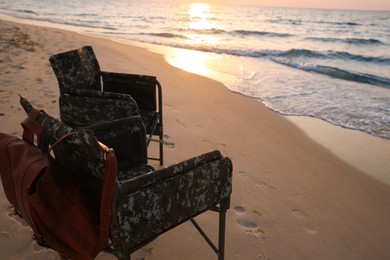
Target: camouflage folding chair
{"type": "Point", "coordinates": [79, 76]}
{"type": "Point", "coordinates": [146, 202]}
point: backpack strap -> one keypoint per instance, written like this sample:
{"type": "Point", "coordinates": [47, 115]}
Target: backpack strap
{"type": "Point", "coordinates": [109, 180]}
{"type": "Point", "coordinates": [60, 140]}
{"type": "Point", "coordinates": [32, 128]}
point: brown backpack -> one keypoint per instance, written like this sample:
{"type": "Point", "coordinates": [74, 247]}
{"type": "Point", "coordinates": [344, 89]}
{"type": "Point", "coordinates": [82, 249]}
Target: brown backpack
{"type": "Point", "coordinates": [50, 199]}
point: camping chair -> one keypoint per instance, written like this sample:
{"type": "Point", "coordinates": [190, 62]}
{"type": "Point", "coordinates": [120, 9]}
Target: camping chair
{"type": "Point", "coordinates": [146, 202]}
{"type": "Point", "coordinates": [78, 73]}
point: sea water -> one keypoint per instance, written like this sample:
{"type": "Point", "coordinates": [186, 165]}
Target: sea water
{"type": "Point", "coordinates": [329, 64]}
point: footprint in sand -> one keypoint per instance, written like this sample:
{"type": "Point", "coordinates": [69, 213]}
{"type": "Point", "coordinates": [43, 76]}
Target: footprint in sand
{"type": "Point", "coordinates": [243, 174]}
{"type": "Point", "coordinates": [298, 213]}
{"type": "Point", "coordinates": [246, 224]}
{"type": "Point", "coordinates": [38, 80]}
{"type": "Point", "coordinates": [170, 145]}
{"type": "Point", "coordinates": [310, 229]}
{"type": "Point", "coordinates": [302, 215]}
{"type": "Point", "coordinates": [259, 183]}
{"type": "Point", "coordinates": [5, 234]}
{"type": "Point", "coordinates": [239, 210]}
{"type": "Point", "coordinates": [181, 123]}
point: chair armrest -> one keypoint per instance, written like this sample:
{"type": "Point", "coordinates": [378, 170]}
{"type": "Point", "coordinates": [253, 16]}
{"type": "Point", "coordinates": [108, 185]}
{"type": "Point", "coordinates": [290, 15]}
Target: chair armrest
{"type": "Point", "coordinates": [80, 108]}
{"type": "Point", "coordinates": [167, 201]}
{"type": "Point", "coordinates": [169, 172]}
{"type": "Point", "coordinates": [97, 94]}
{"type": "Point", "coordinates": [141, 87]}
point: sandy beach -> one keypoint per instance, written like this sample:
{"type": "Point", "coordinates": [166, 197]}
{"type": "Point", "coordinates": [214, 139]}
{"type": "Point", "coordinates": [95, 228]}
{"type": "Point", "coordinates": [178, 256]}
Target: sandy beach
{"type": "Point", "coordinates": [292, 198]}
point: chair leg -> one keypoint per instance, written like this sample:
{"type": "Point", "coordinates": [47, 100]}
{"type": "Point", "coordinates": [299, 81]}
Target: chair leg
{"type": "Point", "coordinates": [161, 149]}
{"type": "Point", "coordinates": [126, 254]}
{"type": "Point", "coordinates": [221, 239]}
{"type": "Point", "coordinates": [220, 251]}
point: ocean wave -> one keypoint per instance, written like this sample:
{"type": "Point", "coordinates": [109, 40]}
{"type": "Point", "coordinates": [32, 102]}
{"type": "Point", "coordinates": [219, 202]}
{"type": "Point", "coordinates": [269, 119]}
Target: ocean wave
{"type": "Point", "coordinates": [79, 23]}
{"type": "Point", "coordinates": [165, 35]}
{"type": "Point", "coordinates": [356, 57]}
{"type": "Point", "coordinates": [338, 73]}
{"type": "Point", "coordinates": [284, 21]}
{"type": "Point", "coordinates": [363, 41]}
{"type": "Point", "coordinates": [343, 23]}
{"type": "Point", "coordinates": [299, 22]}
{"type": "Point", "coordinates": [55, 20]}
{"type": "Point", "coordinates": [356, 41]}
{"type": "Point", "coordinates": [292, 54]}
{"type": "Point", "coordinates": [87, 25]}
{"type": "Point", "coordinates": [298, 53]}
{"type": "Point", "coordinates": [26, 11]}
{"type": "Point", "coordinates": [304, 53]}
{"type": "Point", "coordinates": [86, 15]}
{"type": "Point", "coordinates": [261, 33]}
{"type": "Point", "coordinates": [202, 31]}
{"type": "Point", "coordinates": [217, 31]}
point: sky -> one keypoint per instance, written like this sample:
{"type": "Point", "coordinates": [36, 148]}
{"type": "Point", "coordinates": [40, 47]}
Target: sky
{"type": "Point", "coordinates": [332, 4]}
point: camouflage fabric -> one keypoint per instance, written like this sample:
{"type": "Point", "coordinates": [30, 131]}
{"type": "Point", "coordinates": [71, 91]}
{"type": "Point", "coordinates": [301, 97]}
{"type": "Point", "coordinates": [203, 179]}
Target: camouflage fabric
{"type": "Point", "coordinates": [72, 70]}
{"type": "Point", "coordinates": [150, 120]}
{"type": "Point", "coordinates": [80, 107]}
{"type": "Point", "coordinates": [79, 69]}
{"type": "Point", "coordinates": [79, 153]}
{"type": "Point", "coordinates": [89, 61]}
{"type": "Point", "coordinates": [143, 89]}
{"type": "Point", "coordinates": [128, 139]}
{"type": "Point", "coordinates": [147, 92]}
{"type": "Point", "coordinates": [170, 171]}
{"type": "Point", "coordinates": [146, 202]}
{"type": "Point", "coordinates": [161, 202]}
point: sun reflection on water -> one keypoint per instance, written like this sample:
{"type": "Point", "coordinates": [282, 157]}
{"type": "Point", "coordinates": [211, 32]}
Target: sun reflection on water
{"type": "Point", "coordinates": [201, 63]}
{"type": "Point", "coordinates": [199, 21]}
{"type": "Point", "coordinates": [189, 60]}
{"type": "Point", "coordinates": [200, 24]}
{"type": "Point", "coordinates": [200, 16]}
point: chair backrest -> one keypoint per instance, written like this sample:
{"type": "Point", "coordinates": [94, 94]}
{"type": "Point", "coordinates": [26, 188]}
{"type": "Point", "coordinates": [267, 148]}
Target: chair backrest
{"type": "Point", "coordinates": [88, 58]}
{"type": "Point", "coordinates": [143, 88]}
{"type": "Point", "coordinates": [128, 139]}
{"type": "Point", "coordinates": [76, 69]}
{"type": "Point", "coordinates": [81, 107]}
{"type": "Point", "coordinates": [79, 153]}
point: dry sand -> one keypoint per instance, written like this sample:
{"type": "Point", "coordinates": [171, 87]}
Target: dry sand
{"type": "Point", "coordinates": [292, 198]}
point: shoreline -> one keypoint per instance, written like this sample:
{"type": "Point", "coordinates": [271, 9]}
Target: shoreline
{"type": "Point", "coordinates": [362, 150]}
{"type": "Point", "coordinates": [292, 198]}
